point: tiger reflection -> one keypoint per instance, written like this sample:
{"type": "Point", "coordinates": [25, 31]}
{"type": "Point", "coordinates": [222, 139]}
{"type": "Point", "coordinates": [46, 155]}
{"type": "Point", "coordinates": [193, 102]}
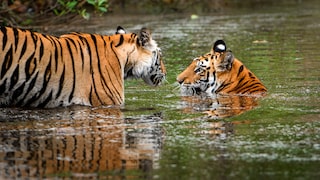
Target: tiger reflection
{"type": "Point", "coordinates": [217, 129]}
{"type": "Point", "coordinates": [219, 106]}
{"type": "Point", "coordinates": [81, 143]}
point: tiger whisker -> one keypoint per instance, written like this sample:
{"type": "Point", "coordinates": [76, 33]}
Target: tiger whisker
{"type": "Point", "coordinates": [176, 88]}
{"type": "Point", "coordinates": [165, 80]}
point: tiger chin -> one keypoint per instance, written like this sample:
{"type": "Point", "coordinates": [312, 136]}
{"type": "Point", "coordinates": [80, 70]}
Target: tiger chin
{"type": "Point", "coordinates": [38, 70]}
{"type": "Point", "coordinates": [219, 74]}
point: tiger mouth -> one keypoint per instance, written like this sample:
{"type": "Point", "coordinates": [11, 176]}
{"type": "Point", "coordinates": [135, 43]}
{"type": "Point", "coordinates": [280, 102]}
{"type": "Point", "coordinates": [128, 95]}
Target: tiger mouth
{"type": "Point", "coordinates": [154, 79]}
{"type": "Point", "coordinates": [157, 79]}
{"type": "Point", "coordinates": [199, 88]}
{"type": "Point", "coordinates": [190, 89]}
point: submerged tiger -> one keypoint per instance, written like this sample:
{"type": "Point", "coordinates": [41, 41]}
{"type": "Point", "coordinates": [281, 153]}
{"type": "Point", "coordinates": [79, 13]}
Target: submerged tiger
{"type": "Point", "coordinates": [38, 70]}
{"type": "Point", "coordinates": [218, 74]}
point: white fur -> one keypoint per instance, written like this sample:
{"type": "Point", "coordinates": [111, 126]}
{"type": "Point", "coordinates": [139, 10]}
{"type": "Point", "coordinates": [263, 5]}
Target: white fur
{"type": "Point", "coordinates": [143, 65]}
{"type": "Point", "coordinates": [151, 46]}
{"type": "Point", "coordinates": [221, 47]}
{"type": "Point", "coordinates": [121, 31]}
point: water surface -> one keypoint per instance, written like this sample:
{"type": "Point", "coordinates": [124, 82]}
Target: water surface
{"type": "Point", "coordinates": [158, 135]}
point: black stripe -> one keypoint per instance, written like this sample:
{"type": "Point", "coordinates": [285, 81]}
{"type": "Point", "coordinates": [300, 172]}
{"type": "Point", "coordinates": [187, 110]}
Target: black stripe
{"type": "Point", "coordinates": [251, 75]}
{"type": "Point", "coordinates": [81, 44]}
{"type": "Point", "coordinates": [121, 41]}
{"type": "Point", "coordinates": [128, 73]}
{"type": "Point", "coordinates": [26, 94]}
{"type": "Point", "coordinates": [240, 81]}
{"type": "Point", "coordinates": [138, 43]}
{"type": "Point", "coordinates": [127, 60]}
{"type": "Point", "coordinates": [61, 81]}
{"type": "Point", "coordinates": [57, 55]}
{"type": "Point", "coordinates": [54, 47]}
{"type": "Point", "coordinates": [41, 49]}
{"type": "Point", "coordinates": [91, 69]}
{"type": "Point", "coordinates": [259, 89]}
{"type": "Point", "coordinates": [24, 47]}
{"type": "Point", "coordinates": [90, 96]}
{"type": "Point", "coordinates": [214, 76]}
{"type": "Point", "coordinates": [77, 50]}
{"type": "Point", "coordinates": [119, 65]}
{"type": "Point", "coordinates": [18, 91]}
{"type": "Point", "coordinates": [5, 37]}
{"type": "Point", "coordinates": [73, 43]}
{"type": "Point", "coordinates": [3, 86]}
{"type": "Point", "coordinates": [105, 46]}
{"type": "Point", "coordinates": [16, 38]}
{"type": "Point", "coordinates": [33, 81]}
{"type": "Point", "coordinates": [27, 69]}
{"type": "Point", "coordinates": [14, 78]}
{"type": "Point", "coordinates": [35, 38]}
{"type": "Point", "coordinates": [47, 73]}
{"type": "Point", "coordinates": [239, 88]}
{"type": "Point", "coordinates": [95, 89]}
{"type": "Point", "coordinates": [89, 52]}
{"type": "Point", "coordinates": [153, 78]}
{"type": "Point", "coordinates": [222, 86]}
{"type": "Point", "coordinates": [239, 85]}
{"type": "Point", "coordinates": [73, 70]}
{"type": "Point", "coordinates": [7, 62]}
{"type": "Point", "coordinates": [248, 88]}
{"type": "Point", "coordinates": [46, 79]}
{"type": "Point", "coordinates": [46, 101]}
{"type": "Point", "coordinates": [33, 98]}
{"type": "Point", "coordinates": [102, 78]}
{"type": "Point", "coordinates": [240, 70]}
{"type": "Point", "coordinates": [133, 35]}
{"type": "Point", "coordinates": [208, 75]}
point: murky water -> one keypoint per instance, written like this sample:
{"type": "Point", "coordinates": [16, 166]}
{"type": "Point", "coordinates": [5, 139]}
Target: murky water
{"type": "Point", "coordinates": [159, 135]}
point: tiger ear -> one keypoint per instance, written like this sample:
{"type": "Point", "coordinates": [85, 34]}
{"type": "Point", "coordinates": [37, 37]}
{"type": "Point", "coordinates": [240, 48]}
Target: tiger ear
{"type": "Point", "coordinates": [219, 46]}
{"type": "Point", "coordinates": [120, 30]}
{"type": "Point", "coordinates": [228, 60]}
{"type": "Point", "coordinates": [145, 38]}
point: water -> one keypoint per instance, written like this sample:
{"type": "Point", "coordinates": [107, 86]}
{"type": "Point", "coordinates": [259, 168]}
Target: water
{"type": "Point", "coordinates": [158, 135]}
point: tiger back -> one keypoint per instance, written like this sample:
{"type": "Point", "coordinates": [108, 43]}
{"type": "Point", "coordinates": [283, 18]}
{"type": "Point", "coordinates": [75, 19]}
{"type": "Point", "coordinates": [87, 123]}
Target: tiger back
{"type": "Point", "coordinates": [220, 76]}
{"type": "Point", "coordinates": [38, 70]}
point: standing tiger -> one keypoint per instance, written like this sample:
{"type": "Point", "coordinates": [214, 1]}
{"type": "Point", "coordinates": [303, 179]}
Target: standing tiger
{"type": "Point", "coordinates": [38, 70]}
{"type": "Point", "coordinates": [219, 74]}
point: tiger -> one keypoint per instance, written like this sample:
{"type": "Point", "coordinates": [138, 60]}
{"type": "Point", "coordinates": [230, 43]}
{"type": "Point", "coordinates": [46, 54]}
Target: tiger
{"type": "Point", "coordinates": [218, 74]}
{"type": "Point", "coordinates": [39, 70]}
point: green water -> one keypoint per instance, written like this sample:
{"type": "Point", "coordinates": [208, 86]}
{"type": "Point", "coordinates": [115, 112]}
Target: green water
{"type": "Point", "coordinates": [154, 137]}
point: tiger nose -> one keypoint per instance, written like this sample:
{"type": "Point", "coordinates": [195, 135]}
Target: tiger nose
{"type": "Point", "coordinates": [180, 80]}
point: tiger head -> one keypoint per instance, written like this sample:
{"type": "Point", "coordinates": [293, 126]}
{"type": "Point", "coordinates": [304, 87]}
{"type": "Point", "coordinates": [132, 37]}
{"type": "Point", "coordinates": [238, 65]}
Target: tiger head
{"type": "Point", "coordinates": [218, 72]}
{"type": "Point", "coordinates": [145, 59]}
{"type": "Point", "coordinates": [195, 78]}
